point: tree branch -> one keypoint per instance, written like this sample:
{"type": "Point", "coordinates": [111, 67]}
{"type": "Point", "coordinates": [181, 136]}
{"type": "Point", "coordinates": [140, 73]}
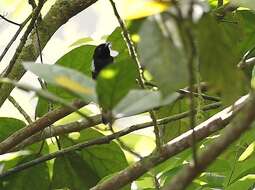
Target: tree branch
{"type": "Point", "coordinates": [40, 124]}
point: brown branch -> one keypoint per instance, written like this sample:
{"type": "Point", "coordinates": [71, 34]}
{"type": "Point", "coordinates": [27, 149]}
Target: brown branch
{"type": "Point", "coordinates": [172, 148]}
{"type": "Point", "coordinates": [59, 130]}
{"type": "Point", "coordinates": [20, 109]}
{"type": "Point", "coordinates": [240, 125]}
{"type": "Point", "coordinates": [40, 124]}
{"type": "Point", "coordinates": [103, 140]}
{"type": "Point", "coordinates": [53, 20]}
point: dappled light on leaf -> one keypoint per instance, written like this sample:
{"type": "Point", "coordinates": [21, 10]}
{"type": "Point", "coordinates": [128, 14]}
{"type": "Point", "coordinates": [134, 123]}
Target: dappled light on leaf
{"type": "Point", "coordinates": [72, 85]}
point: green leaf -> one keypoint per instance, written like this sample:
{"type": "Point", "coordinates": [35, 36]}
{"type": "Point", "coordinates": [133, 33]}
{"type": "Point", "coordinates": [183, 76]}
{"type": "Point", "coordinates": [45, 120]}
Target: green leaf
{"type": "Point", "coordinates": [163, 58]}
{"type": "Point", "coordinates": [79, 59]}
{"type": "Point", "coordinates": [66, 78]}
{"type": "Point", "coordinates": [213, 180]}
{"type": "Point", "coordinates": [248, 151]}
{"type": "Point", "coordinates": [103, 159]}
{"type": "Point", "coordinates": [8, 126]}
{"type": "Point", "coordinates": [71, 171]}
{"type": "Point", "coordinates": [145, 182]}
{"type": "Point", "coordinates": [114, 82]}
{"type": "Point", "coordinates": [138, 101]}
{"type": "Point", "coordinates": [244, 3]}
{"type": "Point", "coordinates": [166, 177]}
{"type": "Point", "coordinates": [241, 184]}
{"type": "Point", "coordinates": [219, 55]}
{"type": "Point", "coordinates": [36, 177]}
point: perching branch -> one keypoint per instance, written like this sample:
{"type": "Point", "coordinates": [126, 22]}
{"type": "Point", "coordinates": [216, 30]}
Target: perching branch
{"type": "Point", "coordinates": [240, 125]}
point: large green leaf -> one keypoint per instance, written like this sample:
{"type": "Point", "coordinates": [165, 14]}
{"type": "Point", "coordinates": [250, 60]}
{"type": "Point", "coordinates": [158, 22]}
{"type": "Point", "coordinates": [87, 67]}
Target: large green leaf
{"type": "Point", "coordinates": [138, 101]}
{"type": "Point", "coordinates": [9, 126]}
{"type": "Point", "coordinates": [71, 171]}
{"type": "Point", "coordinates": [79, 59]}
{"type": "Point", "coordinates": [36, 177]}
{"type": "Point", "coordinates": [104, 159]}
{"type": "Point", "coordinates": [219, 55]}
{"type": "Point", "coordinates": [114, 82]}
{"type": "Point", "coordinates": [66, 78]}
{"type": "Point", "coordinates": [162, 57]}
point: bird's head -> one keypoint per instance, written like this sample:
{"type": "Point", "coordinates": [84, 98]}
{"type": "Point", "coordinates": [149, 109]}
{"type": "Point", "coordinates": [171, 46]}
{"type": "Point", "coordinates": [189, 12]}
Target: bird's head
{"type": "Point", "coordinates": [103, 50]}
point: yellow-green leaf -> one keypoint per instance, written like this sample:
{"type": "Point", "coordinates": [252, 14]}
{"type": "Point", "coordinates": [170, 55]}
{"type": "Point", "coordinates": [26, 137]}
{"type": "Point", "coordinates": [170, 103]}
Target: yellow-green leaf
{"type": "Point", "coordinates": [142, 8]}
{"type": "Point", "coordinates": [248, 151]}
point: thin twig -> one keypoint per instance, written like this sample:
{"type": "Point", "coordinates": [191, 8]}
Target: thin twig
{"type": "Point", "coordinates": [10, 21]}
{"type": "Point", "coordinates": [22, 25]}
{"type": "Point", "coordinates": [204, 96]}
{"type": "Point", "coordinates": [20, 109]}
{"type": "Point", "coordinates": [23, 40]}
{"type": "Point", "coordinates": [133, 54]}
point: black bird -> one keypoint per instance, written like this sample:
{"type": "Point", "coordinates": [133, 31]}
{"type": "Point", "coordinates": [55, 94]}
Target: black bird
{"type": "Point", "coordinates": [101, 58]}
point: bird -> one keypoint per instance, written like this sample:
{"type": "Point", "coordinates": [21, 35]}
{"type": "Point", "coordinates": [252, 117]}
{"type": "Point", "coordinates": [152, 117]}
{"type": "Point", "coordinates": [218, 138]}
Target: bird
{"type": "Point", "coordinates": [101, 58]}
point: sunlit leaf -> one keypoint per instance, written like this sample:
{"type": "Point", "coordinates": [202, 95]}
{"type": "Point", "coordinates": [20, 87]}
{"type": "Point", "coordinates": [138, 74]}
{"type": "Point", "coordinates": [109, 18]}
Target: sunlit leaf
{"type": "Point", "coordinates": [138, 101]}
{"type": "Point", "coordinates": [79, 59]}
{"type": "Point", "coordinates": [163, 58]}
{"type": "Point", "coordinates": [135, 9]}
{"type": "Point", "coordinates": [66, 78]}
{"type": "Point", "coordinates": [248, 151]}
